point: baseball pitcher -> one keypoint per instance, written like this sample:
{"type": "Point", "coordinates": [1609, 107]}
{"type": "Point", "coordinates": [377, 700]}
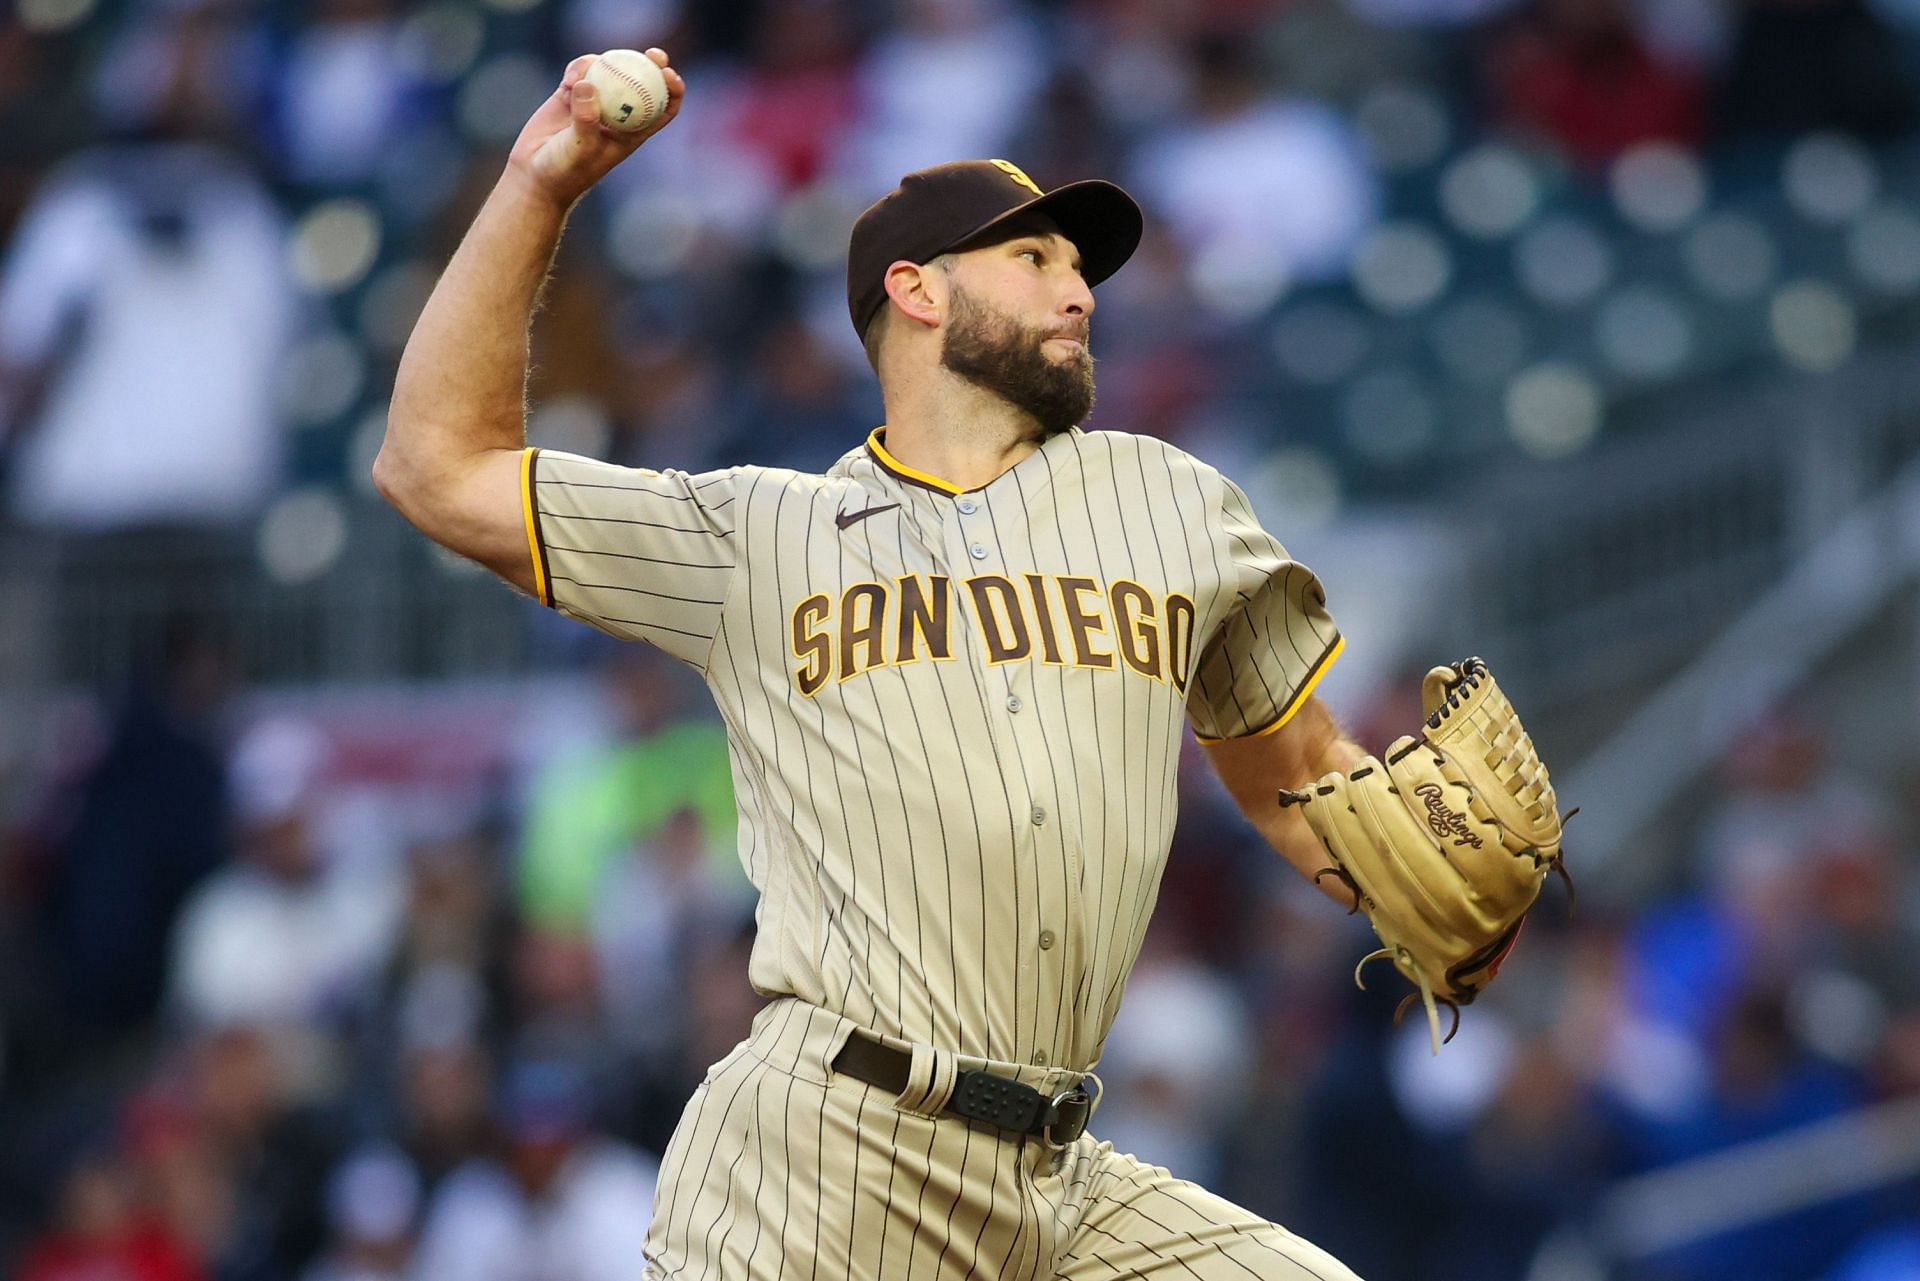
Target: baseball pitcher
{"type": "Point", "coordinates": [955, 672]}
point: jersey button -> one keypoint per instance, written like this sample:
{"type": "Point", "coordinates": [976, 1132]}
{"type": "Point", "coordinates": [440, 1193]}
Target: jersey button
{"type": "Point", "coordinates": [967, 506]}
{"type": "Point", "coordinates": [1046, 940]}
{"type": "Point", "coordinates": [1013, 702]}
{"type": "Point", "coordinates": [979, 552]}
{"type": "Point", "coordinates": [1039, 1058]}
{"type": "Point", "coordinates": [1039, 815]}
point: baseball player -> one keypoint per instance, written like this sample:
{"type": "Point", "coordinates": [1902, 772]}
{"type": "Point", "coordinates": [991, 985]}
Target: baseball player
{"type": "Point", "coordinates": [955, 671]}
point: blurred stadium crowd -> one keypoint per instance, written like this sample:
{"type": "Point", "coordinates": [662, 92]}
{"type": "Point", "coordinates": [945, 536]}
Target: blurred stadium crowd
{"type": "Point", "coordinates": [333, 988]}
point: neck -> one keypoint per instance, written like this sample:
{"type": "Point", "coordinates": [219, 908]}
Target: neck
{"type": "Point", "coordinates": [941, 424]}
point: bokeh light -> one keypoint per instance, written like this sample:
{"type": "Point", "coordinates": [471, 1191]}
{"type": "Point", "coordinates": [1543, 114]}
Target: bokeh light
{"type": "Point", "coordinates": [1730, 257]}
{"type": "Point", "coordinates": [335, 245]}
{"type": "Point", "coordinates": [325, 375]}
{"type": "Point", "coordinates": [1388, 416]}
{"type": "Point", "coordinates": [1402, 268]}
{"type": "Point", "coordinates": [652, 233]}
{"type": "Point", "coordinates": [1319, 341]}
{"type": "Point", "coordinates": [1479, 340]}
{"type": "Point", "coordinates": [497, 98]}
{"type": "Point", "coordinates": [1644, 332]}
{"type": "Point", "coordinates": [1303, 482]}
{"type": "Point", "coordinates": [1405, 126]}
{"type": "Point", "coordinates": [1490, 192]}
{"type": "Point", "coordinates": [1829, 178]}
{"type": "Point", "coordinates": [51, 17]}
{"type": "Point", "coordinates": [1659, 186]}
{"type": "Point", "coordinates": [302, 535]}
{"type": "Point", "coordinates": [440, 42]}
{"type": "Point", "coordinates": [1813, 325]}
{"type": "Point", "coordinates": [1883, 248]}
{"type": "Point", "coordinates": [1563, 261]}
{"type": "Point", "coordinates": [1553, 410]}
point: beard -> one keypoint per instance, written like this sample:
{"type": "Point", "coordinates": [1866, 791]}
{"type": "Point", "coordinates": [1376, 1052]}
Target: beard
{"type": "Point", "coordinates": [997, 353]}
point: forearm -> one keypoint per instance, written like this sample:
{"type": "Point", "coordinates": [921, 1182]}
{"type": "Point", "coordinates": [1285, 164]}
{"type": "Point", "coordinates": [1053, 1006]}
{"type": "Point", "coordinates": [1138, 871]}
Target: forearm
{"type": "Point", "coordinates": [1254, 770]}
{"type": "Point", "coordinates": [461, 386]}
{"type": "Point", "coordinates": [1323, 748]}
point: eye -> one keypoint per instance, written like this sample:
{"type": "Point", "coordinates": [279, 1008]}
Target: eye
{"type": "Point", "coordinates": [1033, 254]}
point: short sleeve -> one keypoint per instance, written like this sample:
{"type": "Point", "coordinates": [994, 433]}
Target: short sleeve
{"type": "Point", "coordinates": [642, 555]}
{"type": "Point", "coordinates": [1274, 642]}
{"type": "Point", "coordinates": [52, 268]}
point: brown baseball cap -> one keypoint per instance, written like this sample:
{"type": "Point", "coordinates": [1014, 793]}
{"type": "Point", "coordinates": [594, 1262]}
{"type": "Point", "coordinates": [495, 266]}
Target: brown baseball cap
{"type": "Point", "coordinates": [934, 211]}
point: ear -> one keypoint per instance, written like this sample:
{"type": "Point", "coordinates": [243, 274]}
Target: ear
{"type": "Point", "coordinates": [918, 291]}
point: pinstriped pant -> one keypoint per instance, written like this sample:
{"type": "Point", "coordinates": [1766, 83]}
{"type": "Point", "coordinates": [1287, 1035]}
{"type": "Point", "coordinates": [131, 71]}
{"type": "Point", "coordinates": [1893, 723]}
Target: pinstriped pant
{"type": "Point", "coordinates": [783, 1169]}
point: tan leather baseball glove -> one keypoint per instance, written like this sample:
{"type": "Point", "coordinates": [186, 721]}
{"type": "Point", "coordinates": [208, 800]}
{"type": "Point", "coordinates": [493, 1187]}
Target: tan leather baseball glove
{"type": "Point", "coordinates": [1446, 842]}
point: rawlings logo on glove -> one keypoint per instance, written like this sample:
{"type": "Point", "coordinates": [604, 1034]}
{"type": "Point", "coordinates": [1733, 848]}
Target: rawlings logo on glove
{"type": "Point", "coordinates": [1444, 844]}
{"type": "Point", "coordinates": [1446, 822]}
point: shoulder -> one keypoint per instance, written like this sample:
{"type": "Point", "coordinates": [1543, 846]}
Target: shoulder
{"type": "Point", "coordinates": [1125, 448]}
{"type": "Point", "coordinates": [765, 489]}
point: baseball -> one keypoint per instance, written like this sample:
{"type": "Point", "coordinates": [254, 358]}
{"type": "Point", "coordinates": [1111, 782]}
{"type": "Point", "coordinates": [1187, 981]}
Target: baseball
{"type": "Point", "coordinates": [629, 88]}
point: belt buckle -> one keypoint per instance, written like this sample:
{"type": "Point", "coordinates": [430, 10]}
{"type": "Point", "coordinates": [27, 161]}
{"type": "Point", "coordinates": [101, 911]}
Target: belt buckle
{"type": "Point", "coordinates": [1069, 1111]}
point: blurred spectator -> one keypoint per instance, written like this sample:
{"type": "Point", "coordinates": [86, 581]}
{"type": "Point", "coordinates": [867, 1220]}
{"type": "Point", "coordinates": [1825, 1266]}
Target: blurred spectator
{"type": "Point", "coordinates": [564, 1201]}
{"type": "Point", "coordinates": [1175, 1063]}
{"type": "Point", "coordinates": [653, 908]}
{"type": "Point", "coordinates": [1535, 1154]}
{"type": "Point", "coordinates": [661, 385]}
{"type": "Point", "coordinates": [102, 1234]}
{"type": "Point", "coordinates": [444, 1096]}
{"type": "Point", "coordinates": [1578, 74]}
{"type": "Point", "coordinates": [345, 89]}
{"type": "Point", "coordinates": [372, 1202]}
{"type": "Point", "coordinates": [293, 933]}
{"type": "Point", "coordinates": [822, 407]}
{"type": "Point", "coordinates": [952, 78]}
{"type": "Point", "coordinates": [1799, 66]}
{"type": "Point", "coordinates": [797, 98]}
{"type": "Point", "coordinates": [1763, 1083]}
{"type": "Point", "coordinates": [446, 981]}
{"type": "Point", "coordinates": [149, 822]}
{"type": "Point", "coordinates": [1784, 806]}
{"type": "Point", "coordinates": [243, 1091]}
{"type": "Point", "coordinates": [1256, 184]}
{"type": "Point", "coordinates": [145, 307]}
{"type": "Point", "coordinates": [229, 1157]}
{"type": "Point", "coordinates": [590, 806]}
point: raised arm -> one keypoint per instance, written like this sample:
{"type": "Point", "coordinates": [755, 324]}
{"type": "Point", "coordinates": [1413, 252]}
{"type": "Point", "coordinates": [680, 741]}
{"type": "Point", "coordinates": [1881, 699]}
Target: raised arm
{"type": "Point", "coordinates": [456, 427]}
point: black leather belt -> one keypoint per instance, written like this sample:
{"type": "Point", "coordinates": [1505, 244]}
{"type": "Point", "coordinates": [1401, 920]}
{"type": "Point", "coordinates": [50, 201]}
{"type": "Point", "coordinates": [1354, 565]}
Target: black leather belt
{"type": "Point", "coordinates": [979, 1096]}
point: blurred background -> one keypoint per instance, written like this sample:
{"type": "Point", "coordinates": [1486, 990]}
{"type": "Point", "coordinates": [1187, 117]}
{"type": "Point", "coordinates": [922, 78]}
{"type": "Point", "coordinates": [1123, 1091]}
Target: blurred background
{"type": "Point", "coordinates": [360, 920]}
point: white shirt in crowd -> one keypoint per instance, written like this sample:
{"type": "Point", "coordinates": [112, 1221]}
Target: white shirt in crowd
{"type": "Point", "coordinates": [482, 1226]}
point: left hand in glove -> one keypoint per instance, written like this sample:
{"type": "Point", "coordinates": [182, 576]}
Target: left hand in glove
{"type": "Point", "coordinates": [1446, 842]}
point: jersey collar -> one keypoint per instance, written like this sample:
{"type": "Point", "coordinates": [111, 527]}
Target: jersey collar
{"type": "Point", "coordinates": [877, 450]}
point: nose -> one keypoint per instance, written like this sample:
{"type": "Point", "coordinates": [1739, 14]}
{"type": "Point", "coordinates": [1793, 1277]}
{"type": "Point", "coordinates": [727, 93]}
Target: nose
{"type": "Point", "coordinates": [1078, 301]}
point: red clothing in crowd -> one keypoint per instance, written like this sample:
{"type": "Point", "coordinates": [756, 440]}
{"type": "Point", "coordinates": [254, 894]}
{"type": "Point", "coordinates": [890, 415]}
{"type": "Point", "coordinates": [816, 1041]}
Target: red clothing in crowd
{"type": "Point", "coordinates": [1594, 97]}
{"type": "Point", "coordinates": [142, 1254]}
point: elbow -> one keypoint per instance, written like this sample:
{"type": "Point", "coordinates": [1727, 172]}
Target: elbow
{"type": "Point", "coordinates": [389, 477]}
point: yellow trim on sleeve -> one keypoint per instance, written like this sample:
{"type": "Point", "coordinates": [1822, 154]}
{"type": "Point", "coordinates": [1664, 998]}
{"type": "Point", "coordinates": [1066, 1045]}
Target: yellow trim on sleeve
{"type": "Point", "coordinates": [540, 591]}
{"type": "Point", "coordinates": [893, 464]}
{"type": "Point", "coordinates": [1300, 696]}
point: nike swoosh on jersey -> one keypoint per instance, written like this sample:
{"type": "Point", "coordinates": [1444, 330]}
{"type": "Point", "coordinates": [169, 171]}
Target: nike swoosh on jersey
{"type": "Point", "coordinates": [845, 519]}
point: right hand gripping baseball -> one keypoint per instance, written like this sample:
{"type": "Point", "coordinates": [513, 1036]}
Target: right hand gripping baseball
{"type": "Point", "coordinates": [563, 149]}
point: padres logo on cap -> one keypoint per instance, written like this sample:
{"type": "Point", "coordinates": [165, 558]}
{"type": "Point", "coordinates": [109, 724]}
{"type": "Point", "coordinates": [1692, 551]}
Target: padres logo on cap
{"type": "Point", "coordinates": [1014, 172]}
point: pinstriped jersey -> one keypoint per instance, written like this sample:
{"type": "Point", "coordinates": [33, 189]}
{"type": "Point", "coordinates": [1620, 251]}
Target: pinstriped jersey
{"type": "Point", "coordinates": [955, 717]}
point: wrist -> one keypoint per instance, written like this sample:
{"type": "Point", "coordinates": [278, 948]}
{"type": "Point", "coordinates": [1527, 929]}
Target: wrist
{"type": "Point", "coordinates": [522, 191]}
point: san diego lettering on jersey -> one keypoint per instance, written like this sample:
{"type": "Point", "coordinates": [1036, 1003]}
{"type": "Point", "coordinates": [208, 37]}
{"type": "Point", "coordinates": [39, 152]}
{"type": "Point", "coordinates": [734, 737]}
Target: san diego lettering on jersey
{"type": "Point", "coordinates": [1059, 619]}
